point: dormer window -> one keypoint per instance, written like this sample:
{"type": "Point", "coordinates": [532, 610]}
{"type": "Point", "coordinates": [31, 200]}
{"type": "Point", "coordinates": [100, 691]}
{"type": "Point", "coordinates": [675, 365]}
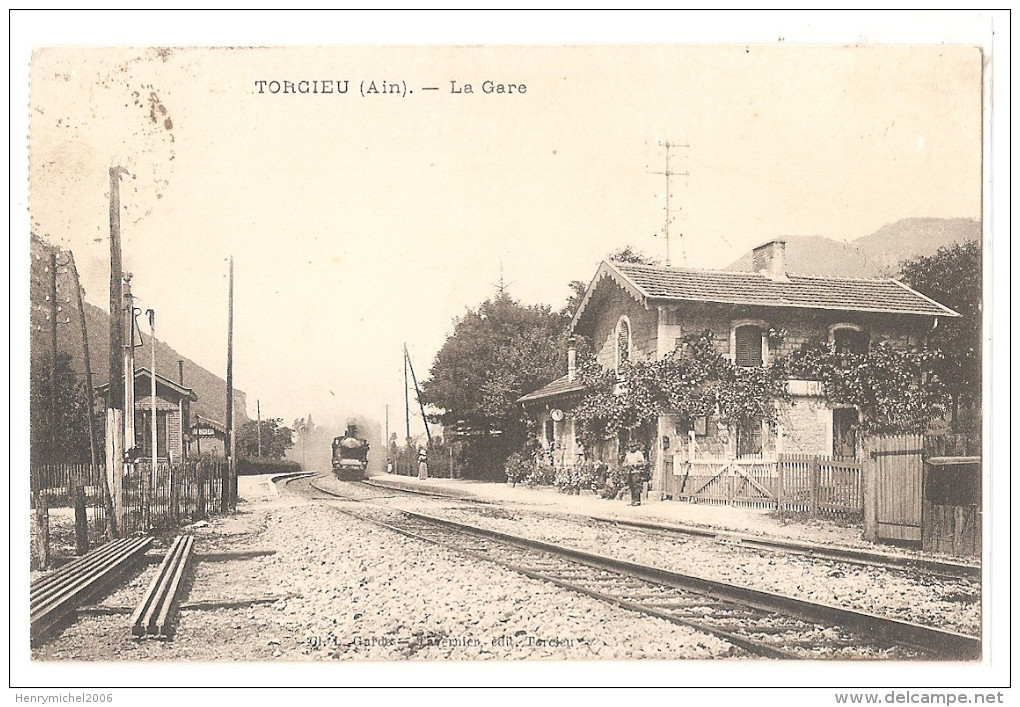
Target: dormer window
{"type": "Point", "coordinates": [623, 341]}
{"type": "Point", "coordinates": [848, 338]}
{"type": "Point", "coordinates": [749, 345]}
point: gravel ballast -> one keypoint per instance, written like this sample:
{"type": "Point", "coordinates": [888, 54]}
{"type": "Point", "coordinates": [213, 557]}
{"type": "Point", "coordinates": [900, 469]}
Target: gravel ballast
{"type": "Point", "coordinates": [358, 592]}
{"type": "Point", "coordinates": [909, 595]}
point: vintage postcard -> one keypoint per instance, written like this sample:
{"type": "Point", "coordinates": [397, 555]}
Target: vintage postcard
{"type": "Point", "coordinates": [375, 359]}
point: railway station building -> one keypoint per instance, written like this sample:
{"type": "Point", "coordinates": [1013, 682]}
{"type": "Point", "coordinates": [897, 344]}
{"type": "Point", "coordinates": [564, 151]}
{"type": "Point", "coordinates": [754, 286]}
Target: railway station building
{"type": "Point", "coordinates": [640, 312]}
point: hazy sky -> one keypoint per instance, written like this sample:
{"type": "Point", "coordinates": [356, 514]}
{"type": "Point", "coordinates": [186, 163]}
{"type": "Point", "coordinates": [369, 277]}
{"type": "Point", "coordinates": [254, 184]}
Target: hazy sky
{"type": "Point", "coordinates": [360, 222]}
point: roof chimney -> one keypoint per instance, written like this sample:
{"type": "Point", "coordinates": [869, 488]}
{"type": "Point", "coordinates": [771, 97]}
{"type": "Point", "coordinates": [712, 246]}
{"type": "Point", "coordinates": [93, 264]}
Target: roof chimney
{"type": "Point", "coordinates": [770, 260]}
{"type": "Point", "coordinates": [571, 362]}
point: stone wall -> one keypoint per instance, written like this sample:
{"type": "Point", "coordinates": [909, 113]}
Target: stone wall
{"type": "Point", "coordinates": [643, 327]}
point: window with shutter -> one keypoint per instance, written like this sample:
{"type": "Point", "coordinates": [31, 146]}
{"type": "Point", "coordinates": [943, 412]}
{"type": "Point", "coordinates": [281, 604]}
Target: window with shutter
{"type": "Point", "coordinates": [622, 342]}
{"type": "Point", "coordinates": [748, 350]}
{"type": "Point", "coordinates": [849, 340]}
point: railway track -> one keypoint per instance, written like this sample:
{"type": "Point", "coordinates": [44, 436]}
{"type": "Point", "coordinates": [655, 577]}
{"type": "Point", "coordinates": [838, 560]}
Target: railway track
{"type": "Point", "coordinates": [865, 558]}
{"type": "Point", "coordinates": [757, 623]}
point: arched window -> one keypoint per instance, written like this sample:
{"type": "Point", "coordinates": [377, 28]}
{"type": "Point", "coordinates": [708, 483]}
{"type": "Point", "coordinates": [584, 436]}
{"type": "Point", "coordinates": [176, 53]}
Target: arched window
{"type": "Point", "coordinates": [623, 342]}
{"type": "Point", "coordinates": [748, 345]}
{"type": "Point", "coordinates": [848, 338]}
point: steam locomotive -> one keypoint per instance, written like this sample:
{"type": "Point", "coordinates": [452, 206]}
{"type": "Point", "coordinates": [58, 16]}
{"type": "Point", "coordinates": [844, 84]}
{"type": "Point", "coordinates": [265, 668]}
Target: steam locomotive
{"type": "Point", "coordinates": [350, 455]}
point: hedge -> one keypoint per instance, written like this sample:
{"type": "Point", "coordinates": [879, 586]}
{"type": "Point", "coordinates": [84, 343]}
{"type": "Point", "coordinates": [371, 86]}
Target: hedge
{"type": "Point", "coordinates": [255, 467]}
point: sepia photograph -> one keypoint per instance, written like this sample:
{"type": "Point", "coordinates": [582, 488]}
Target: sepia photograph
{"type": "Point", "coordinates": [448, 360]}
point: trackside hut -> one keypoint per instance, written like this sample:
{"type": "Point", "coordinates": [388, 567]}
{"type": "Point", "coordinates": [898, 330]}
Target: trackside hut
{"type": "Point", "coordinates": [173, 410]}
{"type": "Point", "coordinates": [208, 437]}
{"type": "Point", "coordinates": [641, 312]}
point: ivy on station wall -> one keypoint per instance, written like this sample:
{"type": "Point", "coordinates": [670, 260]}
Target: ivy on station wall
{"type": "Point", "coordinates": [894, 391]}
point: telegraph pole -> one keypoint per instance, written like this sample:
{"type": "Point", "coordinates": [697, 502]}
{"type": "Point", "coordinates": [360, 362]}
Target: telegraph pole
{"type": "Point", "coordinates": [88, 362]}
{"type": "Point", "coordinates": [54, 311]}
{"type": "Point", "coordinates": [115, 409]}
{"type": "Point", "coordinates": [407, 402]}
{"type": "Point", "coordinates": [129, 367]}
{"type": "Point", "coordinates": [668, 174]}
{"type": "Point", "coordinates": [258, 428]}
{"type": "Point", "coordinates": [417, 395]}
{"type": "Point", "coordinates": [152, 391]}
{"type": "Point", "coordinates": [227, 493]}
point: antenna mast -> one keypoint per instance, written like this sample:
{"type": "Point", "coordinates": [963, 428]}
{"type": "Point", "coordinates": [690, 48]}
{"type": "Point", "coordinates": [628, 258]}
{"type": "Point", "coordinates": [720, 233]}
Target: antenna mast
{"type": "Point", "coordinates": [669, 194]}
{"type": "Point", "coordinates": [503, 285]}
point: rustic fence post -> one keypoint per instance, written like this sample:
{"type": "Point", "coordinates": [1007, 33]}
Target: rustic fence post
{"type": "Point", "coordinates": [200, 470]}
{"type": "Point", "coordinates": [870, 493]}
{"type": "Point", "coordinates": [816, 472]}
{"type": "Point", "coordinates": [41, 532]}
{"type": "Point", "coordinates": [780, 484]}
{"type": "Point", "coordinates": [81, 518]}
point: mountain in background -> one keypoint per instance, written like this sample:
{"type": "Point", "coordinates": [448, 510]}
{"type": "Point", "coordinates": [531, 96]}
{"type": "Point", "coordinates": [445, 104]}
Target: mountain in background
{"type": "Point", "coordinates": [876, 255]}
{"type": "Point", "coordinates": [210, 388]}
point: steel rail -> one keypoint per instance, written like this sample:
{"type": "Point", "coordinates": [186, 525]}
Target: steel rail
{"type": "Point", "coordinates": [154, 611]}
{"type": "Point", "coordinates": [76, 567]}
{"type": "Point", "coordinates": [59, 601]}
{"type": "Point", "coordinates": [101, 563]}
{"type": "Point", "coordinates": [952, 644]}
{"type": "Point", "coordinates": [934, 643]}
{"type": "Point", "coordinates": [753, 647]}
{"type": "Point", "coordinates": [867, 558]}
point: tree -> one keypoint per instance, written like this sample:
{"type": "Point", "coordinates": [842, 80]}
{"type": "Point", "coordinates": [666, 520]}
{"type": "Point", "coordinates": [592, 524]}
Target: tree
{"type": "Point", "coordinates": [275, 438]}
{"type": "Point", "coordinates": [629, 254]}
{"type": "Point", "coordinates": [952, 276]}
{"type": "Point", "coordinates": [496, 353]}
{"type": "Point", "coordinates": [63, 438]}
{"type": "Point", "coordinates": [578, 288]}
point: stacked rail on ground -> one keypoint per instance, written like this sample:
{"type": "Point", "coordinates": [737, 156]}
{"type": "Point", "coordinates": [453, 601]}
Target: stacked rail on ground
{"type": "Point", "coordinates": [155, 612]}
{"type": "Point", "coordinates": [55, 596]}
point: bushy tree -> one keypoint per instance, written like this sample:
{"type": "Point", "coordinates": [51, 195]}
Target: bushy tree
{"type": "Point", "coordinates": [496, 353]}
{"type": "Point", "coordinates": [630, 254]}
{"type": "Point", "coordinates": [952, 276]}
{"type": "Point", "coordinates": [577, 291]}
{"type": "Point", "coordinates": [62, 439]}
{"type": "Point", "coordinates": [275, 438]}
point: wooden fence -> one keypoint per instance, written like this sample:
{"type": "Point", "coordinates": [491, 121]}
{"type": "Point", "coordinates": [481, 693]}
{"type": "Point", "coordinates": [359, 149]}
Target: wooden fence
{"type": "Point", "coordinates": [77, 491]}
{"type": "Point", "coordinates": [72, 502]}
{"type": "Point", "coordinates": [177, 493]}
{"type": "Point", "coordinates": [816, 485]}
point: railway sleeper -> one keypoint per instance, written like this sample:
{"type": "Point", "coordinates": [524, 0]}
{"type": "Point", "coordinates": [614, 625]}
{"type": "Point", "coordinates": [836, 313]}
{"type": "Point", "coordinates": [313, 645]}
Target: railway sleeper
{"type": "Point", "coordinates": [154, 614]}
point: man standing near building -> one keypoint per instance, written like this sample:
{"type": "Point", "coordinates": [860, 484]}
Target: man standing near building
{"type": "Point", "coordinates": [635, 463]}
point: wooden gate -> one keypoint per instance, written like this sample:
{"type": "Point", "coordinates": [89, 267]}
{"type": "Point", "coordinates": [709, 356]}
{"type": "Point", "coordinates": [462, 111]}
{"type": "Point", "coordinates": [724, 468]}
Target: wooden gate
{"type": "Point", "coordinates": [749, 483]}
{"type": "Point", "coordinates": [894, 488]}
{"type": "Point", "coordinates": [820, 486]}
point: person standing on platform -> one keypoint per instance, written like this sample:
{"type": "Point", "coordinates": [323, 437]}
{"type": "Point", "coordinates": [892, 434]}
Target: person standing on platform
{"type": "Point", "coordinates": [423, 464]}
{"type": "Point", "coordinates": [635, 463]}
